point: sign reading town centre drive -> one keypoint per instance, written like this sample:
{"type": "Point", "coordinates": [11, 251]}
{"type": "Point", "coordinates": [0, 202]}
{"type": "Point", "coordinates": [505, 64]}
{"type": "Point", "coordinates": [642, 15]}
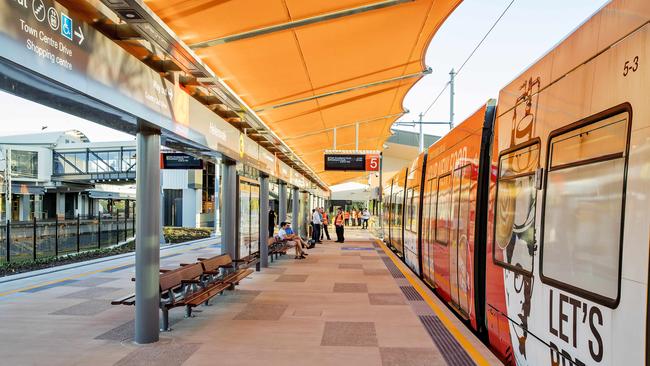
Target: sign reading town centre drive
{"type": "Point", "coordinates": [352, 161]}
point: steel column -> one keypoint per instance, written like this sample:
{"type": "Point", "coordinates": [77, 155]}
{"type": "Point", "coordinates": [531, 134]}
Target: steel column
{"type": "Point", "coordinates": [264, 220]}
{"type": "Point", "coordinates": [217, 208]}
{"type": "Point", "coordinates": [147, 248]}
{"type": "Point", "coordinates": [282, 198]}
{"type": "Point", "coordinates": [229, 208]}
{"type": "Point", "coordinates": [295, 208]}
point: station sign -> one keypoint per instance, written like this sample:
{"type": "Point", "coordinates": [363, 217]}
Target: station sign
{"type": "Point", "coordinates": [352, 162]}
{"type": "Point", "coordinates": [180, 161]}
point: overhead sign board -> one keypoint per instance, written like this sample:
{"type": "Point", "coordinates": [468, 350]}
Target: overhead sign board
{"type": "Point", "coordinates": [180, 161]}
{"type": "Point", "coordinates": [352, 162]}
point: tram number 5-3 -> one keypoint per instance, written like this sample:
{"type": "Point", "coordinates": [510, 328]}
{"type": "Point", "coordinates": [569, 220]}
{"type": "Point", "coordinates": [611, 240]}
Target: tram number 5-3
{"type": "Point", "coordinates": [631, 66]}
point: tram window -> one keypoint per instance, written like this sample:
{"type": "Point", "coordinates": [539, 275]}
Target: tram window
{"type": "Point", "coordinates": [583, 211]}
{"type": "Point", "coordinates": [415, 203]}
{"type": "Point", "coordinates": [514, 236]}
{"type": "Point", "coordinates": [443, 210]}
{"type": "Point", "coordinates": [409, 210]}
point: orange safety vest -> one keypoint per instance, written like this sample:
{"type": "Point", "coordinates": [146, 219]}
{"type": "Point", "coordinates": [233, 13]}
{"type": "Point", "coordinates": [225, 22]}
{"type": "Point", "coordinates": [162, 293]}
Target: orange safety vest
{"type": "Point", "coordinates": [338, 221]}
{"type": "Point", "coordinates": [347, 215]}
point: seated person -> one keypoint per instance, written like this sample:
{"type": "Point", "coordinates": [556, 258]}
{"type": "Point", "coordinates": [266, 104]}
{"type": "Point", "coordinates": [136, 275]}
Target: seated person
{"type": "Point", "coordinates": [282, 235]}
{"type": "Point", "coordinates": [294, 236]}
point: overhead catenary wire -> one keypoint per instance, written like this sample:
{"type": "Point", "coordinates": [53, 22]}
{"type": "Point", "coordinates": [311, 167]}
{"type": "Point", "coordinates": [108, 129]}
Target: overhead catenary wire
{"type": "Point", "coordinates": [470, 55]}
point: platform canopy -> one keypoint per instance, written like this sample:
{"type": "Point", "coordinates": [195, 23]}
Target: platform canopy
{"type": "Point", "coordinates": [308, 66]}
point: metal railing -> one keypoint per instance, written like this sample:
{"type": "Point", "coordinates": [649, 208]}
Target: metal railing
{"type": "Point", "coordinates": [30, 240]}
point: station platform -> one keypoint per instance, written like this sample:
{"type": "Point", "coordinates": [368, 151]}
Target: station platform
{"type": "Point", "coordinates": [351, 303]}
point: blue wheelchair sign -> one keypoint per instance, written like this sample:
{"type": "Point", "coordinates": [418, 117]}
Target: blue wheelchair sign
{"type": "Point", "coordinates": [66, 26]}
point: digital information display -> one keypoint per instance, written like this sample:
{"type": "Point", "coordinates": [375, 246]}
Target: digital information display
{"type": "Point", "coordinates": [352, 162]}
{"type": "Point", "coordinates": [180, 161]}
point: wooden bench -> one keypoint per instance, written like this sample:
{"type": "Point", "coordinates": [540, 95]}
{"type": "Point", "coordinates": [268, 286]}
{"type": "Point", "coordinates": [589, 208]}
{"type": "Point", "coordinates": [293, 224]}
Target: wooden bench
{"type": "Point", "coordinates": [276, 247]}
{"type": "Point", "coordinates": [194, 284]}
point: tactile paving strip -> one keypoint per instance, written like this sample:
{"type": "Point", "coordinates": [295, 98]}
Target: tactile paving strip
{"type": "Point", "coordinates": [451, 350]}
{"type": "Point", "coordinates": [392, 268]}
{"type": "Point", "coordinates": [411, 293]}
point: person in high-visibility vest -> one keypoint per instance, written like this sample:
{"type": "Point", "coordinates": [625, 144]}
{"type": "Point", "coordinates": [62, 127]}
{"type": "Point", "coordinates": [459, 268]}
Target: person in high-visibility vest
{"type": "Point", "coordinates": [347, 218]}
{"type": "Point", "coordinates": [339, 221]}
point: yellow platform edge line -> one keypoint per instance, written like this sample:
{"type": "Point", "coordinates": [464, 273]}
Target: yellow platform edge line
{"type": "Point", "coordinates": [80, 275]}
{"type": "Point", "coordinates": [455, 332]}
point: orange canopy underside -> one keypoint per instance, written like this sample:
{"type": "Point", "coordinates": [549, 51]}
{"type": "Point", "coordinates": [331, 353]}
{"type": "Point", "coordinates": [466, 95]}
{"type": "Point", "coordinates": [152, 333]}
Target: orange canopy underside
{"type": "Point", "coordinates": [327, 56]}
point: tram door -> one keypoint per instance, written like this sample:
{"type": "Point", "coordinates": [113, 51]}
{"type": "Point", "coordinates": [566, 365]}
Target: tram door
{"type": "Point", "coordinates": [459, 256]}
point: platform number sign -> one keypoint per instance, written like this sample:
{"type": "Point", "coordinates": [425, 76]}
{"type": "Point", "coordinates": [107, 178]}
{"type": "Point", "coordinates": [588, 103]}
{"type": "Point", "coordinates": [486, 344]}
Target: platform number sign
{"type": "Point", "coordinates": [372, 163]}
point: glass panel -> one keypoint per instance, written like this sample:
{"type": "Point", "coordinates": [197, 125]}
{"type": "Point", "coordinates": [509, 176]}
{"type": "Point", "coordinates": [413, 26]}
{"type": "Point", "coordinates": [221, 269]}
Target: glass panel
{"type": "Point", "coordinates": [244, 219]}
{"type": "Point", "coordinates": [255, 218]}
{"type": "Point", "coordinates": [582, 226]}
{"type": "Point", "coordinates": [24, 164]}
{"type": "Point", "coordinates": [521, 161]}
{"type": "Point", "coordinates": [443, 210]}
{"type": "Point", "coordinates": [597, 139]}
{"type": "Point", "coordinates": [515, 222]}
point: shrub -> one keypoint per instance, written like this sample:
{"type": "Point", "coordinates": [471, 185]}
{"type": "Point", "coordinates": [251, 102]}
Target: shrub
{"type": "Point", "coordinates": [183, 234]}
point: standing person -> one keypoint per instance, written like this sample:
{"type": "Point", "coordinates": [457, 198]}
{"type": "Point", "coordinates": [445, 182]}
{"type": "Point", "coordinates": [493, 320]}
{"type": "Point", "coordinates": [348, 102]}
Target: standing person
{"type": "Point", "coordinates": [347, 218]}
{"type": "Point", "coordinates": [315, 221]}
{"type": "Point", "coordinates": [271, 222]}
{"type": "Point", "coordinates": [365, 216]}
{"type": "Point", "coordinates": [353, 217]}
{"type": "Point", "coordinates": [339, 220]}
{"type": "Point", "coordinates": [326, 221]}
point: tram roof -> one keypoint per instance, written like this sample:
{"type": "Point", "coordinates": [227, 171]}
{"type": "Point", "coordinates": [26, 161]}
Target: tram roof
{"type": "Point", "coordinates": [307, 67]}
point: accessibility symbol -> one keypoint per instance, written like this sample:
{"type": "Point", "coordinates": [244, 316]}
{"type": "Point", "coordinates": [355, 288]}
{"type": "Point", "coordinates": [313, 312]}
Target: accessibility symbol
{"type": "Point", "coordinates": [66, 26]}
{"type": "Point", "coordinates": [38, 8]}
{"type": "Point", "coordinates": [53, 18]}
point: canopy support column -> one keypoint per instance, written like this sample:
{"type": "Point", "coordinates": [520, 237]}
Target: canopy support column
{"type": "Point", "coordinates": [229, 209]}
{"type": "Point", "coordinates": [264, 220]}
{"type": "Point", "coordinates": [147, 248]}
{"type": "Point", "coordinates": [295, 208]}
{"type": "Point", "coordinates": [282, 202]}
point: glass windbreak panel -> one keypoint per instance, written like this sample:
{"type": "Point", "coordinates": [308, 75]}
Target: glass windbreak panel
{"type": "Point", "coordinates": [128, 160]}
{"type": "Point", "coordinates": [515, 222]}
{"type": "Point", "coordinates": [244, 219]}
{"type": "Point", "coordinates": [599, 139]}
{"type": "Point", "coordinates": [518, 162]}
{"type": "Point", "coordinates": [24, 164]}
{"type": "Point", "coordinates": [255, 218]}
{"type": "Point", "coordinates": [443, 210]}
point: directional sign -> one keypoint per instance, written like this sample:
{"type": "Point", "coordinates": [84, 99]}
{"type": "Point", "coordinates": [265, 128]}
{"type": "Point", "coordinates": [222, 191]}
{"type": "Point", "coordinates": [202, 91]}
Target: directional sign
{"type": "Point", "coordinates": [66, 26]}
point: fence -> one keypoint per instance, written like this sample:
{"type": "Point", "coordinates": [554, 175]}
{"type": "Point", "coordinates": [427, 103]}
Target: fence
{"type": "Point", "coordinates": [35, 239]}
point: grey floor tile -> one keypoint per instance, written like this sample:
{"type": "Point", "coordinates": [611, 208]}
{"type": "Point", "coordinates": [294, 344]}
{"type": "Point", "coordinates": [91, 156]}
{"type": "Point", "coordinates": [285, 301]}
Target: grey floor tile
{"type": "Point", "coordinates": [291, 278]}
{"type": "Point", "coordinates": [49, 286]}
{"type": "Point", "coordinates": [92, 293]}
{"type": "Point", "coordinates": [351, 334]}
{"type": "Point", "coordinates": [170, 354]}
{"type": "Point", "coordinates": [386, 299]}
{"type": "Point", "coordinates": [92, 281]}
{"type": "Point", "coordinates": [393, 356]}
{"type": "Point", "coordinates": [257, 311]}
{"type": "Point", "coordinates": [350, 287]}
{"type": "Point", "coordinates": [86, 308]}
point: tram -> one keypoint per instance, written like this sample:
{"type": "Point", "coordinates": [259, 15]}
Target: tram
{"type": "Point", "coordinates": [531, 218]}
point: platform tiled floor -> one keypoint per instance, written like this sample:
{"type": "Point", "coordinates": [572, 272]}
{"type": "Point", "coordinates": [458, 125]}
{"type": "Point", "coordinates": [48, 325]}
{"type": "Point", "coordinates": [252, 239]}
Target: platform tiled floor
{"type": "Point", "coordinates": [343, 305]}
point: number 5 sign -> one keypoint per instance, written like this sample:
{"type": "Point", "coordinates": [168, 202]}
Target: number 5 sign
{"type": "Point", "coordinates": [372, 163]}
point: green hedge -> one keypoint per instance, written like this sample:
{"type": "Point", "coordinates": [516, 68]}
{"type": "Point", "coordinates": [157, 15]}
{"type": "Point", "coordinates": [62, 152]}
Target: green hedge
{"type": "Point", "coordinates": [183, 234]}
{"type": "Point", "coordinates": [21, 266]}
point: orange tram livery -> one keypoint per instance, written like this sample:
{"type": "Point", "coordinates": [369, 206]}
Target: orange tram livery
{"type": "Point", "coordinates": [531, 218]}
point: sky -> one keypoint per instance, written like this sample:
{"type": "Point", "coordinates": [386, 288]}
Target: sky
{"type": "Point", "coordinates": [528, 30]}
